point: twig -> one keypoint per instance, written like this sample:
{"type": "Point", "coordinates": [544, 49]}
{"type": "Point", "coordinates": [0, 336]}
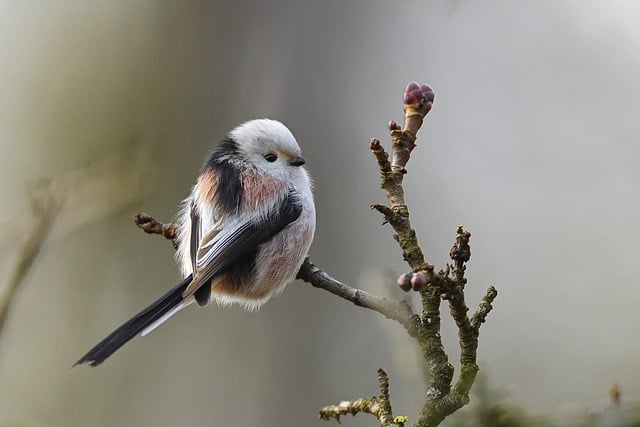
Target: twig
{"type": "Point", "coordinates": [378, 406]}
{"type": "Point", "coordinates": [418, 101]}
{"type": "Point", "coordinates": [401, 312]}
{"type": "Point", "coordinates": [441, 398]}
{"type": "Point", "coordinates": [484, 308]}
{"type": "Point", "coordinates": [150, 225]}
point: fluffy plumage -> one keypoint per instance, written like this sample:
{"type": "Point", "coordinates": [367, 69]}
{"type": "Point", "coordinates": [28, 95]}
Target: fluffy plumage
{"type": "Point", "coordinates": [243, 231]}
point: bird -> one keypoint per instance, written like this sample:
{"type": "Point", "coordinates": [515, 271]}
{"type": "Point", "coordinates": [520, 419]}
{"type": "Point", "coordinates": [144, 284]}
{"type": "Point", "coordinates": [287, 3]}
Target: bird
{"type": "Point", "coordinates": [242, 233]}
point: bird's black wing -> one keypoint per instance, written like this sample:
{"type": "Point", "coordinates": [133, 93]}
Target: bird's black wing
{"type": "Point", "coordinates": [220, 249]}
{"type": "Point", "coordinates": [216, 253]}
{"type": "Point", "coordinates": [196, 232]}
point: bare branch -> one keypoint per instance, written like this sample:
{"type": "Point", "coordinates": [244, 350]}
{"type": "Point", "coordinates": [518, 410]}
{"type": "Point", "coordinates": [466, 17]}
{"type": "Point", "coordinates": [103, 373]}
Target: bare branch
{"type": "Point", "coordinates": [150, 225]}
{"type": "Point", "coordinates": [483, 310]}
{"type": "Point", "coordinates": [418, 101]}
{"type": "Point", "coordinates": [398, 311]}
{"type": "Point", "coordinates": [385, 415]}
{"type": "Point", "coordinates": [442, 398]}
{"type": "Point", "coordinates": [379, 406]}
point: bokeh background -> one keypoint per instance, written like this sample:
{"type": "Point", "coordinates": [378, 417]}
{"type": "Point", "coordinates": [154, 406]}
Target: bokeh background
{"type": "Point", "coordinates": [533, 144]}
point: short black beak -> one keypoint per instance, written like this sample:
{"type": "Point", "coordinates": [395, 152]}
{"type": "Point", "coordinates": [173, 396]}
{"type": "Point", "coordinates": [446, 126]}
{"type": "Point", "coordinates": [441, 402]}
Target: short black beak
{"type": "Point", "coordinates": [297, 161]}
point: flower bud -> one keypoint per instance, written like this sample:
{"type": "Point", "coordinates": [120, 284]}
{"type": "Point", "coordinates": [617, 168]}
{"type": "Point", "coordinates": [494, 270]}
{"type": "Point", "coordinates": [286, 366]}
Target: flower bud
{"type": "Point", "coordinates": [404, 281]}
{"type": "Point", "coordinates": [418, 281]}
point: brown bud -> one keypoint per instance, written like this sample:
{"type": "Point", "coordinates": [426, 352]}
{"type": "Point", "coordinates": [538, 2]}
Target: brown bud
{"type": "Point", "coordinates": [404, 281]}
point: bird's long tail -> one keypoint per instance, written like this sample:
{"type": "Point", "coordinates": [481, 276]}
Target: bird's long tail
{"type": "Point", "coordinates": [145, 321]}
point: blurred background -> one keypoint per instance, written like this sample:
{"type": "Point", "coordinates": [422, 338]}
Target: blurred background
{"type": "Point", "coordinates": [532, 144]}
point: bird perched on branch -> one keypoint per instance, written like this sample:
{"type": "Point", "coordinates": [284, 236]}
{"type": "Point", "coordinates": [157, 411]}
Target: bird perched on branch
{"type": "Point", "coordinates": [243, 232]}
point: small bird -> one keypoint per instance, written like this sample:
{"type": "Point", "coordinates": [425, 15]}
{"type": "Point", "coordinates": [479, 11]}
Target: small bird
{"type": "Point", "coordinates": [243, 232]}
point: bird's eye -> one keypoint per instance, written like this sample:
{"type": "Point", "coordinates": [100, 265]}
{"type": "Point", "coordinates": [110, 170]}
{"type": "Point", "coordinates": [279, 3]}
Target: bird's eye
{"type": "Point", "coordinates": [270, 157]}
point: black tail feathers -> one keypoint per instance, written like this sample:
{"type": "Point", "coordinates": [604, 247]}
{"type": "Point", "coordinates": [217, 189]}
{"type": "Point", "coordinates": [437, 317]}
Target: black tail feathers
{"type": "Point", "coordinates": [135, 325]}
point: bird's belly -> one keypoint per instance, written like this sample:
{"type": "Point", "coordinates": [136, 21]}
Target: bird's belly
{"type": "Point", "coordinates": [276, 263]}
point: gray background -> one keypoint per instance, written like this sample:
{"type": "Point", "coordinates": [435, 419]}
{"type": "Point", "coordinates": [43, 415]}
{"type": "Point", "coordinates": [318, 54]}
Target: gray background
{"type": "Point", "coordinates": [532, 144]}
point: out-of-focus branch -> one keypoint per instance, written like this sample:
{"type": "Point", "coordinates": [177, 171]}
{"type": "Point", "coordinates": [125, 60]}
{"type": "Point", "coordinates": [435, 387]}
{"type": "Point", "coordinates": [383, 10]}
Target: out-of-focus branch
{"type": "Point", "coordinates": [45, 207]}
{"type": "Point", "coordinates": [63, 204]}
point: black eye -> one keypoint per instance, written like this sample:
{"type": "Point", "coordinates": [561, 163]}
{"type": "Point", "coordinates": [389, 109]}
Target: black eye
{"type": "Point", "coordinates": [270, 157]}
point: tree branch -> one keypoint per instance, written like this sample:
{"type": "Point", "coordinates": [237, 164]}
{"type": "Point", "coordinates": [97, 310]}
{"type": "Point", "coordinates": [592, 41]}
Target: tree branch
{"type": "Point", "coordinates": [484, 308]}
{"type": "Point", "coordinates": [399, 311]}
{"type": "Point", "coordinates": [150, 225]}
{"type": "Point", "coordinates": [62, 204]}
{"type": "Point", "coordinates": [441, 398]}
{"type": "Point", "coordinates": [378, 406]}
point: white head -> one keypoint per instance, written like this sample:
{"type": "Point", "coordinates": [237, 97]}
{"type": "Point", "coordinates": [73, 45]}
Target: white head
{"type": "Point", "coordinates": [270, 147]}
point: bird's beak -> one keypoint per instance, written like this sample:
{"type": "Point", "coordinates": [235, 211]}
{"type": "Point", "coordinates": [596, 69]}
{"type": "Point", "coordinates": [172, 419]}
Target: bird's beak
{"type": "Point", "coordinates": [297, 161]}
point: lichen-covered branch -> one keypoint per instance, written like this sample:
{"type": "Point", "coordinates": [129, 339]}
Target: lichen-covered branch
{"type": "Point", "coordinates": [378, 406]}
{"type": "Point", "coordinates": [442, 398]}
{"type": "Point", "coordinates": [435, 410]}
{"type": "Point", "coordinates": [484, 308]}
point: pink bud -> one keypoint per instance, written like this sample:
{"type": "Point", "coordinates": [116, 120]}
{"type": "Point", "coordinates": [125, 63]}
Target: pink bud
{"type": "Point", "coordinates": [418, 94]}
{"type": "Point", "coordinates": [404, 281]}
{"type": "Point", "coordinates": [418, 281]}
{"type": "Point", "coordinates": [427, 93]}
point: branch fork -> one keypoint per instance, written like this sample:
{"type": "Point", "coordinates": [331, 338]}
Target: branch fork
{"type": "Point", "coordinates": [442, 397]}
{"type": "Point", "coordinates": [378, 406]}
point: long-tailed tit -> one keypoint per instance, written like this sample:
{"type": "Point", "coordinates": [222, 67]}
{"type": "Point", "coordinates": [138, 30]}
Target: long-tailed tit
{"type": "Point", "coordinates": [243, 232]}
